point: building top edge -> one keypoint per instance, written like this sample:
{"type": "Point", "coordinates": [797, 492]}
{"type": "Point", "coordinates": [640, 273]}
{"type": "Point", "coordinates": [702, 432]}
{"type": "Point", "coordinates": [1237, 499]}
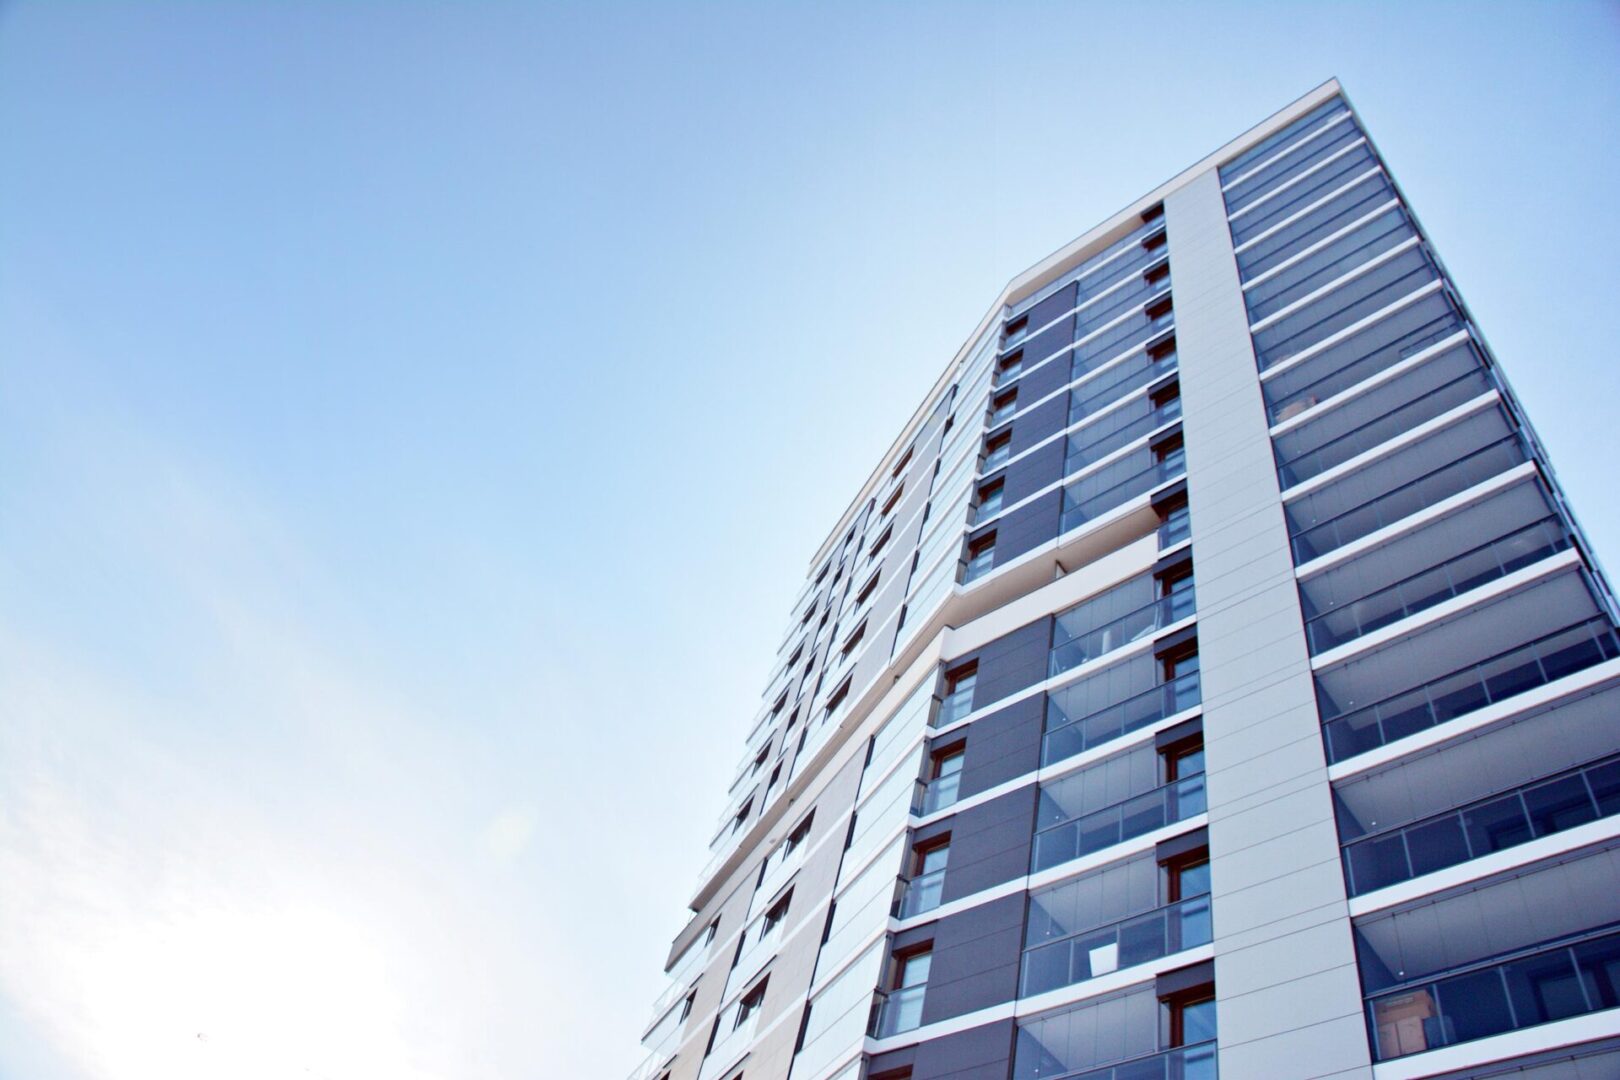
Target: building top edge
{"type": "Point", "coordinates": [1054, 265]}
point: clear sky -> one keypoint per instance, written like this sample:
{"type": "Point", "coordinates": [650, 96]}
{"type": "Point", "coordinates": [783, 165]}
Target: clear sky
{"type": "Point", "coordinates": [415, 420]}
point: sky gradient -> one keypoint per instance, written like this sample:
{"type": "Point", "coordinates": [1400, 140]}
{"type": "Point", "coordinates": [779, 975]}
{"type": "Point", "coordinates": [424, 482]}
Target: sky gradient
{"type": "Point", "coordinates": [415, 421]}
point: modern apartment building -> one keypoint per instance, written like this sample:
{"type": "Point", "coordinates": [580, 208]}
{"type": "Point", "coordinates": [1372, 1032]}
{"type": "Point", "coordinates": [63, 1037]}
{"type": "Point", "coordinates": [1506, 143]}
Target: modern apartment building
{"type": "Point", "coordinates": [1211, 679]}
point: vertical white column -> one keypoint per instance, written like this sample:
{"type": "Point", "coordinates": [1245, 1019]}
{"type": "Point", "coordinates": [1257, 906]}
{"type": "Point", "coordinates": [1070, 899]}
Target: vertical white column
{"type": "Point", "coordinates": [1289, 1000]}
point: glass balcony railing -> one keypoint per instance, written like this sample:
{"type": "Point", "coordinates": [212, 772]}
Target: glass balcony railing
{"type": "Point", "coordinates": [1124, 944]}
{"type": "Point", "coordinates": [1389, 340]}
{"type": "Point", "coordinates": [1118, 381]}
{"type": "Point", "coordinates": [1176, 528]}
{"type": "Point", "coordinates": [1501, 677]}
{"type": "Point", "coordinates": [954, 706]}
{"type": "Point", "coordinates": [1381, 429]}
{"type": "Point", "coordinates": [979, 565]}
{"type": "Point", "coordinates": [1455, 576]}
{"type": "Point", "coordinates": [1070, 737]}
{"type": "Point", "coordinates": [1533, 988]}
{"type": "Point", "coordinates": [898, 1011]}
{"type": "Point", "coordinates": [1134, 626]}
{"type": "Point", "coordinates": [937, 794]}
{"type": "Point", "coordinates": [922, 894]}
{"type": "Point", "coordinates": [1183, 1063]}
{"type": "Point", "coordinates": [1078, 511]}
{"type": "Point", "coordinates": [1115, 340]}
{"type": "Point", "coordinates": [1406, 500]}
{"type": "Point", "coordinates": [1094, 832]}
{"type": "Point", "coordinates": [1099, 312]}
{"type": "Point", "coordinates": [649, 1066]}
{"type": "Point", "coordinates": [1543, 808]}
{"type": "Point", "coordinates": [1091, 444]}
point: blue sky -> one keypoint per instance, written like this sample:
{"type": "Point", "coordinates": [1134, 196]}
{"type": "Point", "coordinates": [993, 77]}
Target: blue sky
{"type": "Point", "coordinates": [415, 421]}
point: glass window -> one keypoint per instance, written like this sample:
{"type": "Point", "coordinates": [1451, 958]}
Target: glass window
{"type": "Point", "coordinates": [990, 500]}
{"type": "Point", "coordinates": [778, 912]}
{"type": "Point", "coordinates": [1192, 1022]}
{"type": "Point", "coordinates": [981, 557]}
{"type": "Point", "coordinates": [997, 451]}
{"type": "Point", "coordinates": [1003, 406]}
{"type": "Point", "coordinates": [913, 970]}
{"type": "Point", "coordinates": [750, 1003]}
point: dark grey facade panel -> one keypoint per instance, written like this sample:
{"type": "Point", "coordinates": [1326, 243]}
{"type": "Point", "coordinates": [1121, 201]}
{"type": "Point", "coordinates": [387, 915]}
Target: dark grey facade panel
{"type": "Point", "coordinates": [1033, 472]}
{"type": "Point", "coordinates": [976, 955]}
{"type": "Point", "coordinates": [1042, 422]}
{"type": "Point", "coordinates": [1003, 745]}
{"type": "Point", "coordinates": [981, 1053]}
{"type": "Point", "coordinates": [990, 843]}
{"type": "Point", "coordinates": [1050, 376]}
{"type": "Point", "coordinates": [1028, 527]}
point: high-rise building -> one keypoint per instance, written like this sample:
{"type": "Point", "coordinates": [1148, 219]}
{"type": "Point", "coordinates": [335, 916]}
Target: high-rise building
{"type": "Point", "coordinates": [1211, 678]}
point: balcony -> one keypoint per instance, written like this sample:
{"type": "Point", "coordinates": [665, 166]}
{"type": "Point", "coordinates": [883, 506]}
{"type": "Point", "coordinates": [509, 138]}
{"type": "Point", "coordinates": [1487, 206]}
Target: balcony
{"type": "Point", "coordinates": [1130, 627]}
{"type": "Point", "coordinates": [1176, 528]}
{"type": "Point", "coordinates": [954, 706]}
{"type": "Point", "coordinates": [1110, 342]}
{"type": "Point", "coordinates": [1364, 292]}
{"type": "Point", "coordinates": [1071, 737]}
{"type": "Point", "coordinates": [979, 565]}
{"type": "Point", "coordinates": [1312, 540]}
{"type": "Point", "coordinates": [1091, 833]}
{"type": "Point", "coordinates": [1414, 325]}
{"type": "Point", "coordinates": [1119, 380]}
{"type": "Point", "coordinates": [1546, 807]}
{"type": "Point", "coordinates": [897, 1011]}
{"type": "Point", "coordinates": [1319, 146]}
{"type": "Point", "coordinates": [1096, 441]}
{"type": "Point", "coordinates": [922, 894]}
{"type": "Point", "coordinates": [1378, 416]}
{"type": "Point", "coordinates": [1094, 495]}
{"type": "Point", "coordinates": [1106, 949]}
{"type": "Point", "coordinates": [937, 794]}
{"type": "Point", "coordinates": [1182, 1063]}
{"type": "Point", "coordinates": [1535, 987]}
{"type": "Point", "coordinates": [1421, 591]}
{"type": "Point", "coordinates": [1488, 682]}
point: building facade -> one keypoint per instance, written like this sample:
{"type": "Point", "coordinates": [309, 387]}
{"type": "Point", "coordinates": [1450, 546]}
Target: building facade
{"type": "Point", "coordinates": [1211, 679]}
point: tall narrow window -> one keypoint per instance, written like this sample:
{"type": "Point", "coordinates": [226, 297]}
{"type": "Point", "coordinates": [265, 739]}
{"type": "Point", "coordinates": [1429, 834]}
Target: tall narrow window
{"type": "Point", "coordinates": [1190, 1021]}
{"type": "Point", "coordinates": [927, 881]}
{"type": "Point", "coordinates": [902, 1007]}
{"type": "Point", "coordinates": [981, 557]}
{"type": "Point", "coordinates": [900, 466]}
{"type": "Point", "coordinates": [800, 833]}
{"type": "Point", "coordinates": [958, 701]}
{"type": "Point", "coordinates": [997, 451]}
{"type": "Point", "coordinates": [774, 917]}
{"type": "Point", "coordinates": [893, 499]}
{"type": "Point", "coordinates": [944, 778]}
{"type": "Point", "coordinates": [990, 500]}
{"type": "Point", "coordinates": [883, 538]}
{"type": "Point", "coordinates": [750, 1003]}
{"type": "Point", "coordinates": [1003, 405]}
{"type": "Point", "coordinates": [1180, 661]}
{"type": "Point", "coordinates": [866, 590]}
{"type": "Point", "coordinates": [1015, 330]}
